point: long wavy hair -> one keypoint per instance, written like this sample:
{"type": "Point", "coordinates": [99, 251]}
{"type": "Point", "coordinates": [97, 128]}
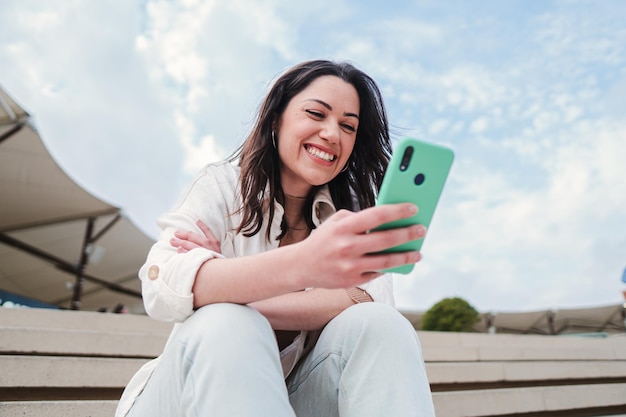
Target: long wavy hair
{"type": "Point", "coordinates": [355, 188]}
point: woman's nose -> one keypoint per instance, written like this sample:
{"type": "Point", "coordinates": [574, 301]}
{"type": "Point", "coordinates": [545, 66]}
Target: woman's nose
{"type": "Point", "coordinates": [330, 132]}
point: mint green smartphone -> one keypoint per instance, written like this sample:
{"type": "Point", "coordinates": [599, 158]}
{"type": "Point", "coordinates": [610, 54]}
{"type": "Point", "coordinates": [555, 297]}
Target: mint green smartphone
{"type": "Point", "coordinates": [416, 174]}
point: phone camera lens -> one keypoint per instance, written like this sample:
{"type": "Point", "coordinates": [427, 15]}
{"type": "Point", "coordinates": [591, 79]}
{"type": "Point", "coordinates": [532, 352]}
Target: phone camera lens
{"type": "Point", "coordinates": [419, 179]}
{"type": "Point", "coordinates": [406, 158]}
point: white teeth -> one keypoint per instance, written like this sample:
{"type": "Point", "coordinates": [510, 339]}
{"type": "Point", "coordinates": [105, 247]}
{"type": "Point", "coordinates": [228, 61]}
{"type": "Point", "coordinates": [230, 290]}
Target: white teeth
{"type": "Point", "coordinates": [320, 154]}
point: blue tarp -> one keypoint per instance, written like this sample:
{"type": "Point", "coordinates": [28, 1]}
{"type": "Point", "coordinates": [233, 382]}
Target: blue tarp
{"type": "Point", "coordinates": [10, 300]}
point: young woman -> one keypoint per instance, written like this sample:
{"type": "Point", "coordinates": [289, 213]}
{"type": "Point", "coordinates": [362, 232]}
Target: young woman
{"type": "Point", "coordinates": [268, 268]}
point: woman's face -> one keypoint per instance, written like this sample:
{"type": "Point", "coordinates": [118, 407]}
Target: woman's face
{"type": "Point", "coordinates": [316, 134]}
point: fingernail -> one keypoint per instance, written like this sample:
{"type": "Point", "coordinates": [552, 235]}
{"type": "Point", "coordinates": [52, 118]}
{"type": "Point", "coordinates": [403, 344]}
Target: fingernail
{"type": "Point", "coordinates": [421, 230]}
{"type": "Point", "coordinates": [412, 209]}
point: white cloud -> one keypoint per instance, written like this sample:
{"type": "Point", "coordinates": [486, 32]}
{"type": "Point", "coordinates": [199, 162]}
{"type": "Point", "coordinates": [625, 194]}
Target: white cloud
{"type": "Point", "coordinates": [171, 43]}
{"type": "Point", "coordinates": [197, 153]}
{"type": "Point", "coordinates": [598, 37]}
{"type": "Point", "coordinates": [438, 126]}
{"type": "Point", "coordinates": [264, 23]}
{"type": "Point", "coordinates": [479, 125]}
{"type": "Point", "coordinates": [38, 20]}
{"type": "Point", "coordinates": [211, 60]}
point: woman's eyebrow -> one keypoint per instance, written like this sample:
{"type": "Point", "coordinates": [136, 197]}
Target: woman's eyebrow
{"type": "Point", "coordinates": [330, 108]}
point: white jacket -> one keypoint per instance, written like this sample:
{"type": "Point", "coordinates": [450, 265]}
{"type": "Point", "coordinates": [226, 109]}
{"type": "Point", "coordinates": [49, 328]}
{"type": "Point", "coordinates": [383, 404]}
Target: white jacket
{"type": "Point", "coordinates": [167, 277]}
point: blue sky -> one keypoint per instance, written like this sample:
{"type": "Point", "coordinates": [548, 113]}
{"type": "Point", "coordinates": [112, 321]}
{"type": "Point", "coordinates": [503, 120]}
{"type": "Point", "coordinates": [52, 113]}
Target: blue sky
{"type": "Point", "coordinates": [133, 97]}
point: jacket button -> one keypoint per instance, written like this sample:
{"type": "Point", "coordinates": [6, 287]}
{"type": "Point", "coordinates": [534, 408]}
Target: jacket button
{"type": "Point", "coordinates": [153, 272]}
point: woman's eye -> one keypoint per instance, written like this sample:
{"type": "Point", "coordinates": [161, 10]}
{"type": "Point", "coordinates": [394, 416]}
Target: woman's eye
{"type": "Point", "coordinates": [315, 113]}
{"type": "Point", "coordinates": [349, 128]}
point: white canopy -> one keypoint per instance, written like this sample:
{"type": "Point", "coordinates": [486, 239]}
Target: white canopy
{"type": "Point", "coordinates": [54, 234]}
{"type": "Point", "coordinates": [602, 319]}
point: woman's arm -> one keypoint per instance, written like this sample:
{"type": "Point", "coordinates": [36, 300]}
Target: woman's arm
{"type": "Point", "coordinates": [337, 255]}
{"type": "Point", "coordinates": [301, 310]}
{"type": "Point", "coordinates": [304, 310]}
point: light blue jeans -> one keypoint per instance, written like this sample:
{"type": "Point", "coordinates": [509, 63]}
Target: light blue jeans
{"type": "Point", "coordinates": [225, 362]}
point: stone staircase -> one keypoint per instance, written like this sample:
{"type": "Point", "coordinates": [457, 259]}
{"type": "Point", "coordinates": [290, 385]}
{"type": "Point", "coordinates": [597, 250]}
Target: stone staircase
{"type": "Point", "coordinates": [76, 364]}
{"type": "Point", "coordinates": [71, 364]}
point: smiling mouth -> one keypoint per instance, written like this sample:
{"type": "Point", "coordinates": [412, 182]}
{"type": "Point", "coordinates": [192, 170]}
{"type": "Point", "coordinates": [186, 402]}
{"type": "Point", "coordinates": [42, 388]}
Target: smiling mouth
{"type": "Point", "coordinates": [320, 153]}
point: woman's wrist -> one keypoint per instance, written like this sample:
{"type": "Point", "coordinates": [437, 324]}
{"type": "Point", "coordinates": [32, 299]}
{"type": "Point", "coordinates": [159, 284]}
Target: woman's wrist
{"type": "Point", "coordinates": [359, 295]}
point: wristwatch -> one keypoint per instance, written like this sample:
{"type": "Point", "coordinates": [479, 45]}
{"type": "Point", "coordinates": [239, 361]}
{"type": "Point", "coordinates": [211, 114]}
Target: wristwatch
{"type": "Point", "coordinates": [358, 295]}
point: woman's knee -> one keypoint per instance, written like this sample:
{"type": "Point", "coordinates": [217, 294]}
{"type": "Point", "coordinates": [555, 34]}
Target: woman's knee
{"type": "Point", "coordinates": [380, 323]}
{"type": "Point", "coordinates": [375, 315]}
{"type": "Point", "coordinates": [226, 324]}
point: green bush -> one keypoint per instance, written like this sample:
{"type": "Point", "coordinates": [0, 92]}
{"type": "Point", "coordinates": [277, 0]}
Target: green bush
{"type": "Point", "coordinates": [451, 315]}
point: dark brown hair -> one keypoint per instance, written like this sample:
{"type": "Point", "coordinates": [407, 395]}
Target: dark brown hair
{"type": "Point", "coordinates": [354, 188]}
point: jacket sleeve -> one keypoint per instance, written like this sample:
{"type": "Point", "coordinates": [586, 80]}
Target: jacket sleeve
{"type": "Point", "coordinates": [381, 289]}
{"type": "Point", "coordinates": [167, 277]}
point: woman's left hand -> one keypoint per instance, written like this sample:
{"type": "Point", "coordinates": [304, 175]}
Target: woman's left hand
{"type": "Point", "coordinates": [185, 240]}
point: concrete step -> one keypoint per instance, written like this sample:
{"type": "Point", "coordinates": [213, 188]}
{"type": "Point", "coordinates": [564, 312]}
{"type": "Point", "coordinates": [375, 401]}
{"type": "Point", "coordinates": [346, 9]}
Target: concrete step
{"type": "Point", "coordinates": [449, 346]}
{"type": "Point", "coordinates": [64, 372]}
{"type": "Point", "coordinates": [58, 408]}
{"type": "Point", "coordinates": [524, 372]}
{"type": "Point", "coordinates": [437, 345]}
{"type": "Point", "coordinates": [63, 341]}
{"type": "Point", "coordinates": [507, 401]}
{"type": "Point", "coordinates": [499, 353]}
{"type": "Point", "coordinates": [107, 408]}
{"type": "Point", "coordinates": [81, 320]}
{"type": "Point", "coordinates": [41, 341]}
{"type": "Point", "coordinates": [434, 338]}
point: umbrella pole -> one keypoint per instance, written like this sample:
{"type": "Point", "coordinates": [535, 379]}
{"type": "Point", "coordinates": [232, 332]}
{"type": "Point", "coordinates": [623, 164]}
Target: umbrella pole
{"type": "Point", "coordinates": [82, 265]}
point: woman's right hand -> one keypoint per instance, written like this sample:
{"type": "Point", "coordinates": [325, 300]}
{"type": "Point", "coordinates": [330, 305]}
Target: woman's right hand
{"type": "Point", "coordinates": [186, 240]}
{"type": "Point", "coordinates": [342, 253]}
